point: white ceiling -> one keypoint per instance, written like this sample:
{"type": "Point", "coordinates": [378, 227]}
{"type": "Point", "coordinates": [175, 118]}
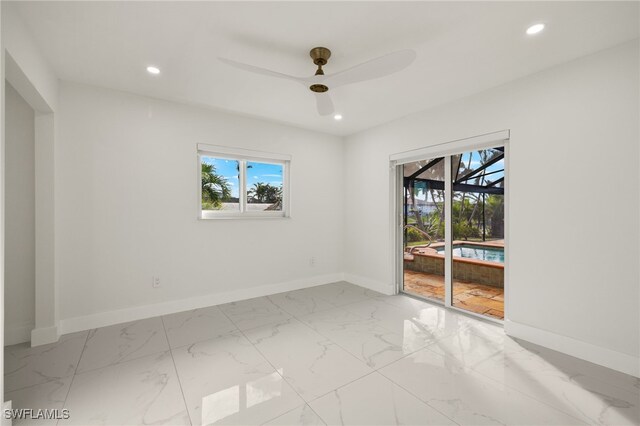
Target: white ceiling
{"type": "Point", "coordinates": [462, 47]}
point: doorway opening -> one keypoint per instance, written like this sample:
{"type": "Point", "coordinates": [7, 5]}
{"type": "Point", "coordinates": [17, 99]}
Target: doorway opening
{"type": "Point", "coordinates": [453, 229]}
{"type": "Point", "coordinates": [20, 218]}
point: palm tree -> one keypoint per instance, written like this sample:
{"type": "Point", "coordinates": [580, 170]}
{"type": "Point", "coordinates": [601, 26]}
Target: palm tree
{"type": "Point", "coordinates": [495, 214]}
{"type": "Point", "coordinates": [215, 188]}
{"type": "Point", "coordinates": [265, 193]}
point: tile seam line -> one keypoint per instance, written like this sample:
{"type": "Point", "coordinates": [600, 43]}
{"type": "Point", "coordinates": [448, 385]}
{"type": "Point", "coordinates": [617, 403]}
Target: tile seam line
{"type": "Point", "coordinates": [482, 377]}
{"type": "Point", "coordinates": [306, 404]}
{"type": "Point", "coordinates": [321, 298]}
{"type": "Point", "coordinates": [49, 380]}
{"type": "Point", "coordinates": [373, 370]}
{"type": "Point", "coordinates": [369, 298]}
{"type": "Point", "coordinates": [217, 336]}
{"type": "Point", "coordinates": [123, 362]}
{"type": "Point", "coordinates": [414, 395]}
{"type": "Point", "coordinates": [274, 368]}
{"type": "Point", "coordinates": [377, 370]}
{"type": "Point", "coordinates": [175, 368]}
{"type": "Point", "coordinates": [75, 372]}
{"type": "Point", "coordinates": [301, 321]}
{"type": "Point", "coordinates": [39, 384]}
{"type": "Point", "coordinates": [349, 352]}
{"type": "Point", "coordinates": [493, 380]}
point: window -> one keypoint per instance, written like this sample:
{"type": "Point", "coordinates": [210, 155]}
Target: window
{"type": "Point", "coordinates": [235, 183]}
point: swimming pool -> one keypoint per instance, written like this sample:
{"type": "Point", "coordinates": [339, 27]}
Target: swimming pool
{"type": "Point", "coordinates": [471, 251]}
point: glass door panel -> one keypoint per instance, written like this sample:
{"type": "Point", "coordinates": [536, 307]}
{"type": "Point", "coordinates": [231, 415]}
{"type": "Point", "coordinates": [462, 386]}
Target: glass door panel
{"type": "Point", "coordinates": [477, 221]}
{"type": "Point", "coordinates": [424, 228]}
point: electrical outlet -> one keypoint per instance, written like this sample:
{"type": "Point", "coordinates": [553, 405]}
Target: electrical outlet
{"type": "Point", "coordinates": [312, 261]}
{"type": "Point", "coordinates": [155, 283]}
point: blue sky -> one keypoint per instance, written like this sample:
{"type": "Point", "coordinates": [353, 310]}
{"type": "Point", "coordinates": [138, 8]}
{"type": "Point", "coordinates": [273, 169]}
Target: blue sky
{"type": "Point", "coordinates": [256, 172]}
{"type": "Point", "coordinates": [475, 162]}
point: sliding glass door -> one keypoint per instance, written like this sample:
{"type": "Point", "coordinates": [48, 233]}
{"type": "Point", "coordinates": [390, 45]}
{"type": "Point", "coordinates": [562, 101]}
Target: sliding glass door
{"type": "Point", "coordinates": [453, 230]}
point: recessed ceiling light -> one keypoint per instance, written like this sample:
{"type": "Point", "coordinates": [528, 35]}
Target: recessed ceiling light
{"type": "Point", "coordinates": [535, 29]}
{"type": "Point", "coordinates": [337, 117]}
{"type": "Point", "coordinates": [153, 70]}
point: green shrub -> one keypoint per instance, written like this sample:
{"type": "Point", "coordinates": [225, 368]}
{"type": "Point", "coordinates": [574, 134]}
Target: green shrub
{"type": "Point", "coordinates": [464, 231]}
{"type": "Point", "coordinates": [207, 205]}
{"type": "Point", "coordinates": [413, 235]}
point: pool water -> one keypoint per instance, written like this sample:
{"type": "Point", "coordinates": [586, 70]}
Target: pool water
{"type": "Point", "coordinates": [490, 254]}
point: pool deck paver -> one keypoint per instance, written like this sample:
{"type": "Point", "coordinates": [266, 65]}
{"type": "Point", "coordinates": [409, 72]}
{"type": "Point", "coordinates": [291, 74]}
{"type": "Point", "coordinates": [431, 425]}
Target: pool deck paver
{"type": "Point", "coordinates": [474, 297]}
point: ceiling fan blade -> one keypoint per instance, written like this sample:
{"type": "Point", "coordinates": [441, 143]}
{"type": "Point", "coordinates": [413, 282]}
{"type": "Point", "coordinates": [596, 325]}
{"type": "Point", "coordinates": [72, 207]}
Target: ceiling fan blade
{"type": "Point", "coordinates": [324, 103]}
{"type": "Point", "coordinates": [263, 71]}
{"type": "Point", "coordinates": [375, 68]}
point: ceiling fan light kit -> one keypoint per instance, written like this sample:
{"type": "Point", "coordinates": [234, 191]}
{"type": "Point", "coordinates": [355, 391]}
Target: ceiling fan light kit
{"type": "Point", "coordinates": [319, 83]}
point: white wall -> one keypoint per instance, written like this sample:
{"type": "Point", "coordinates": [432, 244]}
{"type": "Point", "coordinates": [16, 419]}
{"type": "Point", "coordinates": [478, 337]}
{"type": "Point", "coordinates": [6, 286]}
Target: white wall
{"type": "Point", "coordinates": [18, 42]}
{"type": "Point", "coordinates": [24, 67]}
{"type": "Point", "coordinates": [20, 239]}
{"type": "Point", "coordinates": [574, 186]}
{"type": "Point", "coordinates": [126, 199]}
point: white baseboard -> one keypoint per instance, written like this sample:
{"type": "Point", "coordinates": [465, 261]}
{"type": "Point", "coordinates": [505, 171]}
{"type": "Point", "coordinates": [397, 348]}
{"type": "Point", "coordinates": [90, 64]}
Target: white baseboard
{"type": "Point", "coordinates": [20, 333]}
{"type": "Point", "coordinates": [102, 319]}
{"type": "Point", "coordinates": [44, 335]}
{"type": "Point", "coordinates": [596, 354]}
{"type": "Point", "coordinates": [374, 285]}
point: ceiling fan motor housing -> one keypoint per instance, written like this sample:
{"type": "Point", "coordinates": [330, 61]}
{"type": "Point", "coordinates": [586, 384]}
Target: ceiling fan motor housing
{"type": "Point", "coordinates": [320, 56]}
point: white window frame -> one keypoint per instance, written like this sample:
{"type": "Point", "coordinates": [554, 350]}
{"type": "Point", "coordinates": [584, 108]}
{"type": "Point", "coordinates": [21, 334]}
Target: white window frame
{"type": "Point", "coordinates": [243, 156]}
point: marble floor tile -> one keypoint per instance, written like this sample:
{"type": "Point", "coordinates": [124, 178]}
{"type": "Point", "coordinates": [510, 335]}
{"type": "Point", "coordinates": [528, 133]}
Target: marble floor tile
{"type": "Point", "coordinates": [334, 354]}
{"type": "Point", "coordinates": [358, 289]}
{"type": "Point", "coordinates": [432, 318]}
{"type": "Point", "coordinates": [374, 400]}
{"type": "Point", "coordinates": [578, 367]}
{"type": "Point", "coordinates": [388, 315]}
{"type": "Point", "coordinates": [188, 327]}
{"type": "Point", "coordinates": [363, 338]}
{"type": "Point", "coordinates": [568, 389]}
{"type": "Point", "coordinates": [142, 391]}
{"type": "Point", "coordinates": [26, 366]}
{"type": "Point", "coordinates": [470, 348]}
{"type": "Point", "coordinates": [340, 294]}
{"type": "Point", "coordinates": [405, 302]}
{"type": "Point", "coordinates": [300, 302]}
{"type": "Point", "coordinates": [226, 381]}
{"type": "Point", "coordinates": [311, 363]}
{"type": "Point", "coordinates": [299, 416]}
{"type": "Point", "coordinates": [467, 397]}
{"type": "Point", "coordinates": [49, 395]}
{"type": "Point", "coordinates": [479, 326]}
{"type": "Point", "coordinates": [122, 342]}
{"type": "Point", "coordinates": [252, 313]}
{"type": "Point", "coordinates": [417, 330]}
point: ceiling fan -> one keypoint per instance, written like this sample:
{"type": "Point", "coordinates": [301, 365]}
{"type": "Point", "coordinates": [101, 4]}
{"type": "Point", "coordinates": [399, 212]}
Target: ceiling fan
{"type": "Point", "coordinates": [320, 84]}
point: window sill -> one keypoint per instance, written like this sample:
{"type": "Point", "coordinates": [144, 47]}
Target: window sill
{"type": "Point", "coordinates": [243, 217]}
